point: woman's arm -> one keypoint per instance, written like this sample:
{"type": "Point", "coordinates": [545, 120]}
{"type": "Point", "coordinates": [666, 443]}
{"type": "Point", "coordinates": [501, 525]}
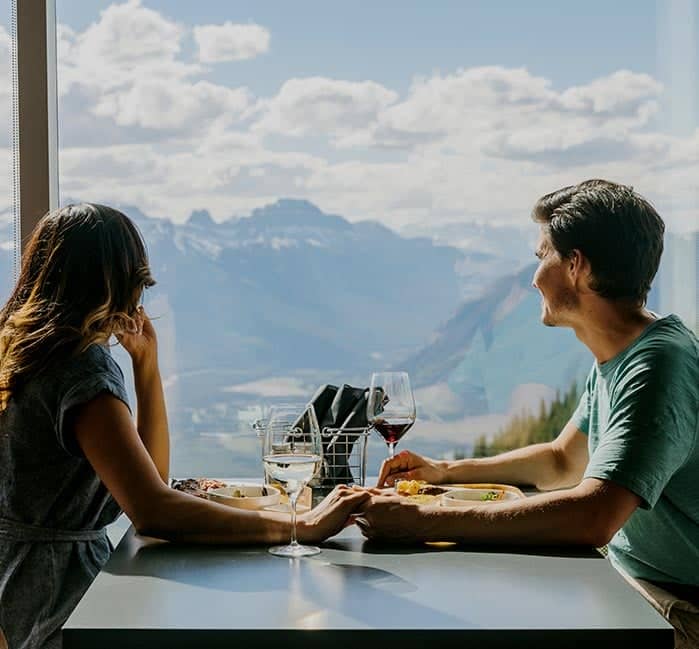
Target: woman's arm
{"type": "Point", "coordinates": [134, 465]}
{"type": "Point", "coordinates": [151, 416]}
{"type": "Point", "coordinates": [105, 432]}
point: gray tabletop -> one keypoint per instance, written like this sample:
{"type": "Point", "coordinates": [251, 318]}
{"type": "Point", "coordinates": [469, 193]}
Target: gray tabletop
{"type": "Point", "coordinates": [156, 594]}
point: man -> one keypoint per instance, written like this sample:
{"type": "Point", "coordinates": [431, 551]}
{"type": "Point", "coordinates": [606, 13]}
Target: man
{"type": "Point", "coordinates": [625, 469]}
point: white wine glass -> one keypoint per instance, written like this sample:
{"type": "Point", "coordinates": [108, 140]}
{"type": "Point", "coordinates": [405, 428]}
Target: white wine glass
{"type": "Point", "coordinates": [391, 406]}
{"type": "Point", "coordinates": [292, 452]}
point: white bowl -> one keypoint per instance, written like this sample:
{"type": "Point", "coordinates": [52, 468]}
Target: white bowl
{"type": "Point", "coordinates": [465, 496]}
{"type": "Point", "coordinates": [303, 502]}
{"type": "Point", "coordinates": [245, 495]}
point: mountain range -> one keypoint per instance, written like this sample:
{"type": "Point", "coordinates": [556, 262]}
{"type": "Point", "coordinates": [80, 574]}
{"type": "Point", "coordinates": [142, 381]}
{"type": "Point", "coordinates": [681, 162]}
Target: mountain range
{"type": "Point", "coordinates": [291, 288]}
{"type": "Point", "coordinates": [269, 306]}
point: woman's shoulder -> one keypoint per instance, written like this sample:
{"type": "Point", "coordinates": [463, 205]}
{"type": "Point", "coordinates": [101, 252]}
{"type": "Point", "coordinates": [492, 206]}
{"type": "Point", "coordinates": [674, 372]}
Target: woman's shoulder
{"type": "Point", "coordinates": [88, 373]}
{"type": "Point", "coordinates": [95, 359]}
{"type": "Point", "coordinates": [96, 353]}
{"type": "Point", "coordinates": [74, 378]}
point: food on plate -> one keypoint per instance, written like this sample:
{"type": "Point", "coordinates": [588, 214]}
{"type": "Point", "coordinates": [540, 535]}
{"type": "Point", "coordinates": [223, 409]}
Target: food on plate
{"type": "Point", "coordinates": [409, 487]}
{"type": "Point", "coordinates": [493, 495]}
{"type": "Point", "coordinates": [189, 486]}
{"type": "Point", "coordinates": [418, 491]}
{"type": "Point", "coordinates": [418, 488]}
{"type": "Point", "coordinates": [197, 486]}
{"type": "Point", "coordinates": [207, 484]}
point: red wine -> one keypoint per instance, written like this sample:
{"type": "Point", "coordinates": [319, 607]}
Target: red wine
{"type": "Point", "coordinates": [394, 429]}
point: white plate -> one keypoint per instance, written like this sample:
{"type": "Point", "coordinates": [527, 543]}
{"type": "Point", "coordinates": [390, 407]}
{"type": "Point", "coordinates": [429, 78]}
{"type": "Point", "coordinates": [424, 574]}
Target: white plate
{"type": "Point", "coordinates": [245, 495]}
{"type": "Point", "coordinates": [465, 496]}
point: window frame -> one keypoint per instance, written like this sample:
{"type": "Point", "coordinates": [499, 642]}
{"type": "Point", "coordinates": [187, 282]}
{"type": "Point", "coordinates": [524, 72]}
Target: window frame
{"type": "Point", "coordinates": [35, 114]}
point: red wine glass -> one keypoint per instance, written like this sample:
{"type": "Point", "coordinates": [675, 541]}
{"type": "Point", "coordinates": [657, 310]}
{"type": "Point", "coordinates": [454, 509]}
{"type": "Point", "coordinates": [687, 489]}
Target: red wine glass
{"type": "Point", "coordinates": [391, 406]}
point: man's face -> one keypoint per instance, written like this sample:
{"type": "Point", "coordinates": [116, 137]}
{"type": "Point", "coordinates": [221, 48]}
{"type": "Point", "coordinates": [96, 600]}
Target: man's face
{"type": "Point", "coordinates": [559, 299]}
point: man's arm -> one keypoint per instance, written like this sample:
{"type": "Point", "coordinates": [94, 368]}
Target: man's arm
{"type": "Point", "coordinates": [553, 465]}
{"type": "Point", "coordinates": [589, 514]}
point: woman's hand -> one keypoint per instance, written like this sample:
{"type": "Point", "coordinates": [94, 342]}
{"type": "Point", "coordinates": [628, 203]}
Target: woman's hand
{"type": "Point", "coordinates": [332, 515]}
{"type": "Point", "coordinates": [140, 341]}
{"type": "Point", "coordinates": [392, 518]}
{"type": "Point", "coordinates": [409, 466]}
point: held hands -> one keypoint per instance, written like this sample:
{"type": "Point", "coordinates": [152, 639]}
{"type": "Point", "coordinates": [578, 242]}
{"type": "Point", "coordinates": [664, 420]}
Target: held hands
{"type": "Point", "coordinates": [392, 518]}
{"type": "Point", "coordinates": [140, 340]}
{"type": "Point", "coordinates": [332, 515]}
{"type": "Point", "coordinates": [378, 516]}
{"type": "Point", "coordinates": [409, 466]}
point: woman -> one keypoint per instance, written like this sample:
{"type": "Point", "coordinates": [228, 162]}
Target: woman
{"type": "Point", "coordinates": [71, 457]}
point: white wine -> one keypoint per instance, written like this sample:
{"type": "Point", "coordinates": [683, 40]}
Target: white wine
{"type": "Point", "coordinates": [291, 471]}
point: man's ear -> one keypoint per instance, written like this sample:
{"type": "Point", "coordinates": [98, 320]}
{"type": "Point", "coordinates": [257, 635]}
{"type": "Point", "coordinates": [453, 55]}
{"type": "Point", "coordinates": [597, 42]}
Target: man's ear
{"type": "Point", "coordinates": [579, 268]}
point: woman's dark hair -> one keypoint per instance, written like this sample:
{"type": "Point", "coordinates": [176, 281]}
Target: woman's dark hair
{"type": "Point", "coordinates": [618, 231]}
{"type": "Point", "coordinates": [82, 276]}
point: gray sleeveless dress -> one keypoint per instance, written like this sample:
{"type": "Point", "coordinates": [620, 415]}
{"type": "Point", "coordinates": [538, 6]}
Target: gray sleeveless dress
{"type": "Point", "coordinates": [53, 507]}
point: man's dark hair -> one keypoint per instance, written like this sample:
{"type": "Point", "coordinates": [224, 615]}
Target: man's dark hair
{"type": "Point", "coordinates": [618, 231]}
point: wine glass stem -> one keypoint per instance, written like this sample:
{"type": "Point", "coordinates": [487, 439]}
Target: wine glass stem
{"type": "Point", "coordinates": [292, 502]}
{"type": "Point", "coordinates": [391, 449]}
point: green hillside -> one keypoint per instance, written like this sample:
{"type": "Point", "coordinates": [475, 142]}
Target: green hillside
{"type": "Point", "coordinates": [525, 429]}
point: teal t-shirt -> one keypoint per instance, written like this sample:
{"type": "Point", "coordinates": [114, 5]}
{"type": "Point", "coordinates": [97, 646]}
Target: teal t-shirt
{"type": "Point", "coordinates": [640, 412]}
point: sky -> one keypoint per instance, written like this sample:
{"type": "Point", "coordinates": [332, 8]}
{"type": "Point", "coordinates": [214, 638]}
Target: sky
{"type": "Point", "coordinates": [414, 113]}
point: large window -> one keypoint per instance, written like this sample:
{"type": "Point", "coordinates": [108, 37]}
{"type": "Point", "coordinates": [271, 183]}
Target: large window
{"type": "Point", "coordinates": [7, 216]}
{"type": "Point", "coordinates": [332, 188]}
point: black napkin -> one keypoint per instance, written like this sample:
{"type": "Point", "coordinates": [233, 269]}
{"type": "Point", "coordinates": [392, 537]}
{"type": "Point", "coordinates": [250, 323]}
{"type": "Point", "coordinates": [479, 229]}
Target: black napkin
{"type": "Point", "coordinates": [343, 407]}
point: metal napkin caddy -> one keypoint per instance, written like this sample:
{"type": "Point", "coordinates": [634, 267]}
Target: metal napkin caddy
{"type": "Point", "coordinates": [342, 417]}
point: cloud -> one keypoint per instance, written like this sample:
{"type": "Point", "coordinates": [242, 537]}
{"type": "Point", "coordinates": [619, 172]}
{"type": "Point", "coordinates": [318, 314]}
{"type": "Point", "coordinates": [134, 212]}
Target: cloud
{"type": "Point", "coordinates": [142, 122]}
{"type": "Point", "coordinates": [127, 67]}
{"type": "Point", "coordinates": [272, 388]}
{"type": "Point", "coordinates": [129, 42]}
{"type": "Point", "coordinates": [447, 102]}
{"type": "Point", "coordinates": [468, 101]}
{"type": "Point", "coordinates": [509, 113]}
{"type": "Point", "coordinates": [675, 152]}
{"type": "Point", "coordinates": [167, 104]}
{"type": "Point", "coordinates": [322, 106]}
{"type": "Point", "coordinates": [620, 93]}
{"type": "Point", "coordinates": [230, 42]}
{"type": "Point", "coordinates": [561, 149]}
{"type": "Point", "coordinates": [89, 172]}
{"type": "Point", "coordinates": [5, 48]}
{"type": "Point", "coordinates": [5, 86]}
{"type": "Point", "coordinates": [6, 180]}
{"type": "Point", "coordinates": [228, 172]}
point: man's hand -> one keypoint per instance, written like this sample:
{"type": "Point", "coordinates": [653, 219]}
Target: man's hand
{"type": "Point", "coordinates": [391, 517]}
{"type": "Point", "coordinates": [409, 466]}
{"type": "Point", "coordinates": [332, 515]}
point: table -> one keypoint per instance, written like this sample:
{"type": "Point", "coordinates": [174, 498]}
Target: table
{"type": "Point", "coordinates": [358, 594]}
